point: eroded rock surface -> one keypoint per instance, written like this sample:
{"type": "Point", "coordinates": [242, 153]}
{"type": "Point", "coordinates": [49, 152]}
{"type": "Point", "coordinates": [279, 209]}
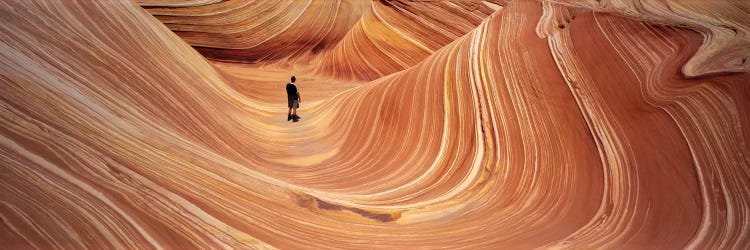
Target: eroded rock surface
{"type": "Point", "coordinates": [436, 124]}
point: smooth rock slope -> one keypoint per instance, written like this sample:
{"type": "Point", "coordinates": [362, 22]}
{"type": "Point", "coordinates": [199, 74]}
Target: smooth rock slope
{"type": "Point", "coordinates": [434, 124]}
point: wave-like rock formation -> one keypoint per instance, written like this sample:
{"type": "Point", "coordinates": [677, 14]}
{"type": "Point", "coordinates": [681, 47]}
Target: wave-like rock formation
{"type": "Point", "coordinates": [432, 124]}
{"type": "Point", "coordinates": [255, 31]}
{"type": "Point", "coordinates": [387, 37]}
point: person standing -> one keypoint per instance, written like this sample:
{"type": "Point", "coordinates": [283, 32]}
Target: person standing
{"type": "Point", "coordinates": [293, 98]}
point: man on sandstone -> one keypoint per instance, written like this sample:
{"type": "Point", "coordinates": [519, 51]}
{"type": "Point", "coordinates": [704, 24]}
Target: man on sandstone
{"type": "Point", "coordinates": [293, 99]}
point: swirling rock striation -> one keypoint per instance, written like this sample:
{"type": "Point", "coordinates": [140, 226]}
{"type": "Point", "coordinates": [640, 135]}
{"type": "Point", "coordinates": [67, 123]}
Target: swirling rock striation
{"type": "Point", "coordinates": [518, 124]}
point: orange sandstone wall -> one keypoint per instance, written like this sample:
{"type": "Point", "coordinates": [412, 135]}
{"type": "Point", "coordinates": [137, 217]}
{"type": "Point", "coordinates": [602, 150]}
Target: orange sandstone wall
{"type": "Point", "coordinates": [531, 125]}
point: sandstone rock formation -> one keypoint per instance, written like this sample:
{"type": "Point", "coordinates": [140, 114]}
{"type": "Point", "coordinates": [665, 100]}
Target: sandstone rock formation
{"type": "Point", "coordinates": [434, 124]}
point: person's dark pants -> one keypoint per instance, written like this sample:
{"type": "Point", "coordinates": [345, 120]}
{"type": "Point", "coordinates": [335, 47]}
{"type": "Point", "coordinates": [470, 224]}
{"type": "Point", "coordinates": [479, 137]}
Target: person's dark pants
{"type": "Point", "coordinates": [293, 103]}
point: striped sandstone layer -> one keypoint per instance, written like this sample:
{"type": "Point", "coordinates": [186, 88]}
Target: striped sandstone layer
{"type": "Point", "coordinates": [522, 124]}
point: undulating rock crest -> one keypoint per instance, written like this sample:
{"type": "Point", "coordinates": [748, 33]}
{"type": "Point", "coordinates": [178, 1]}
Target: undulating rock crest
{"type": "Point", "coordinates": [434, 124]}
{"type": "Point", "coordinates": [351, 39]}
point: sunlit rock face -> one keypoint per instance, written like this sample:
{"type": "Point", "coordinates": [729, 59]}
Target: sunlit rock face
{"type": "Point", "coordinates": [432, 124]}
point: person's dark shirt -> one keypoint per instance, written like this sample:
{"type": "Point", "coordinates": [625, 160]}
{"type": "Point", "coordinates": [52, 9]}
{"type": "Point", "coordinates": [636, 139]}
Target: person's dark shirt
{"type": "Point", "coordinates": [291, 91]}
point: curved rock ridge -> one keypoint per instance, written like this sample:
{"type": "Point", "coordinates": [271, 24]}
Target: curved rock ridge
{"type": "Point", "coordinates": [725, 27]}
{"type": "Point", "coordinates": [517, 125]}
{"type": "Point", "coordinates": [352, 40]}
{"type": "Point", "coordinates": [394, 35]}
{"type": "Point", "coordinates": [257, 31]}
